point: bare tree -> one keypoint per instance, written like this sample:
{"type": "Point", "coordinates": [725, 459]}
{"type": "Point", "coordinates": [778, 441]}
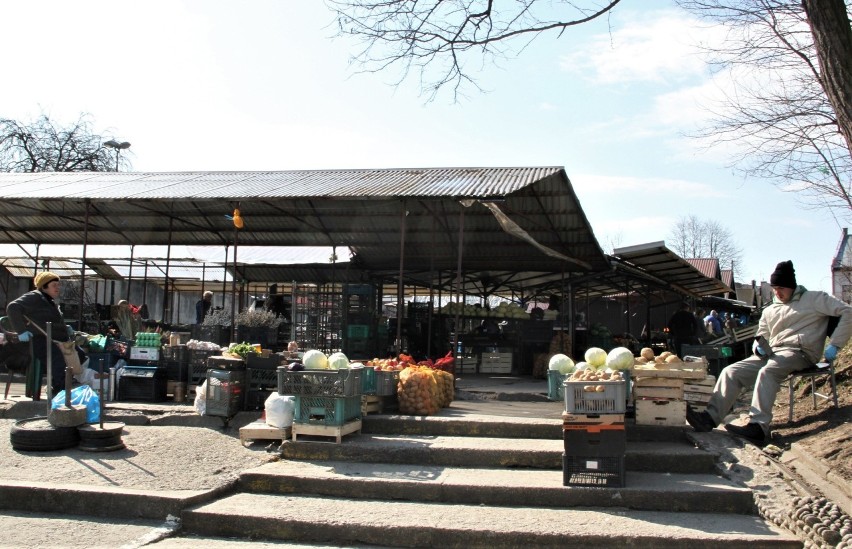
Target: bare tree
{"type": "Point", "coordinates": [443, 37]}
{"type": "Point", "coordinates": [779, 114]}
{"type": "Point", "coordinates": [43, 146]}
{"type": "Point", "coordinates": [696, 238]}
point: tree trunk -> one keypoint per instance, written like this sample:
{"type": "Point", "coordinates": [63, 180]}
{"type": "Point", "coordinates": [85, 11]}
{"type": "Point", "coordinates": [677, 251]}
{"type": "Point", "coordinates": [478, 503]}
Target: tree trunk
{"type": "Point", "coordinates": [832, 34]}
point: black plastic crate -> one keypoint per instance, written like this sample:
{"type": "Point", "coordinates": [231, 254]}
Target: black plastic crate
{"type": "Point", "coordinates": [258, 379]}
{"type": "Point", "coordinates": [601, 472]}
{"type": "Point", "coordinates": [264, 363]}
{"type": "Point", "coordinates": [594, 441]}
{"type": "Point", "coordinates": [175, 353]}
{"type": "Point", "coordinates": [717, 356]}
{"type": "Point", "coordinates": [198, 356]}
{"type": "Point", "coordinates": [198, 373]}
{"type": "Point", "coordinates": [146, 384]}
{"type": "Point", "coordinates": [176, 371]}
{"type": "Point", "coordinates": [256, 399]}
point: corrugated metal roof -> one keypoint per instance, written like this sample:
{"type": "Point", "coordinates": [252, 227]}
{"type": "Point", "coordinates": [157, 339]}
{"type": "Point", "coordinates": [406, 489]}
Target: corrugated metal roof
{"type": "Point", "coordinates": [661, 262]}
{"type": "Point", "coordinates": [708, 266]}
{"type": "Point", "coordinates": [513, 219]}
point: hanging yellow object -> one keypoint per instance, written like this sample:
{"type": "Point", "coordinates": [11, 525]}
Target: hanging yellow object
{"type": "Point", "coordinates": [238, 220]}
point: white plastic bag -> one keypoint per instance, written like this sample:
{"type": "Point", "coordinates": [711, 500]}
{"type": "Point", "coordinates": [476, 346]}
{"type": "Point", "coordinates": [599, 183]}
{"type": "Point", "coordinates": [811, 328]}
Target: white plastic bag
{"type": "Point", "coordinates": [280, 410]}
{"type": "Point", "coordinates": [201, 398]}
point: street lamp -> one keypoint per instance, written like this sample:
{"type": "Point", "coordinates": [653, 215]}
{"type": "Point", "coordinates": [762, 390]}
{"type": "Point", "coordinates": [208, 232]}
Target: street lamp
{"type": "Point", "coordinates": [113, 144]}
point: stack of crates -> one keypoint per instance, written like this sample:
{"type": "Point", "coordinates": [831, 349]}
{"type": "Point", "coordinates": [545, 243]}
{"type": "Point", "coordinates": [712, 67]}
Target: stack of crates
{"type": "Point", "coordinates": [198, 365]}
{"type": "Point", "coordinates": [323, 397]}
{"type": "Point", "coordinates": [261, 380]}
{"type": "Point", "coordinates": [176, 360]}
{"type": "Point", "coordinates": [594, 434]}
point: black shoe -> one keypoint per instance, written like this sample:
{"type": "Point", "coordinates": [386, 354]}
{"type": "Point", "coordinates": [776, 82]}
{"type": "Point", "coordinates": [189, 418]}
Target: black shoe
{"type": "Point", "coordinates": [752, 432]}
{"type": "Point", "coordinates": [700, 421]}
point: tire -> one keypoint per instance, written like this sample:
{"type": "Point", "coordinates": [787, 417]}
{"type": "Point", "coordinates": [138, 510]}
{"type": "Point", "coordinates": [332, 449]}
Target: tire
{"type": "Point", "coordinates": [36, 434]}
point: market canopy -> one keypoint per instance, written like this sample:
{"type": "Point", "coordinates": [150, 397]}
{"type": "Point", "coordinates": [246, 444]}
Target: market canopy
{"type": "Point", "coordinates": [657, 260]}
{"type": "Point", "coordinates": [500, 220]}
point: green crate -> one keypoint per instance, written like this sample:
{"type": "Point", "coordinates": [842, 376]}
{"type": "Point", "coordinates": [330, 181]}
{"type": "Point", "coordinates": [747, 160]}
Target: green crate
{"type": "Point", "coordinates": [386, 382]}
{"type": "Point", "coordinates": [368, 380]}
{"type": "Point", "coordinates": [555, 385]}
{"type": "Point", "coordinates": [345, 382]}
{"type": "Point", "coordinates": [358, 331]}
{"type": "Point", "coordinates": [327, 410]}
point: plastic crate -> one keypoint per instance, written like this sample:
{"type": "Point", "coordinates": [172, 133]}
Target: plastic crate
{"type": "Point", "coordinates": [613, 399]}
{"type": "Point", "coordinates": [176, 371]}
{"type": "Point", "coordinates": [324, 383]}
{"type": "Point", "coordinates": [197, 372]}
{"type": "Point", "coordinates": [176, 353]}
{"type": "Point", "coordinates": [358, 331]}
{"type": "Point", "coordinates": [595, 441]}
{"type": "Point", "coordinates": [199, 356]}
{"type": "Point", "coordinates": [327, 410]}
{"type": "Point", "coordinates": [255, 400]}
{"type": "Point", "coordinates": [368, 380]}
{"type": "Point", "coordinates": [386, 382]}
{"type": "Point", "coordinates": [555, 385]}
{"type": "Point", "coordinates": [264, 363]}
{"type": "Point", "coordinates": [224, 397]}
{"type": "Point", "coordinates": [603, 472]}
{"type": "Point", "coordinates": [261, 379]}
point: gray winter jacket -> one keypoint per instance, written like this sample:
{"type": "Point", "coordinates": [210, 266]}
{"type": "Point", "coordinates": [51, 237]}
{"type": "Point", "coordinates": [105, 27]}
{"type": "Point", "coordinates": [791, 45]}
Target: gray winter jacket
{"type": "Point", "coordinates": [802, 322]}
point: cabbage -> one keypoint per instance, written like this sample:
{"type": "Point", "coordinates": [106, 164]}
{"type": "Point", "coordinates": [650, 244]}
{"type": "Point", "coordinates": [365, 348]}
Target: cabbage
{"type": "Point", "coordinates": [620, 358]}
{"type": "Point", "coordinates": [580, 366]}
{"type": "Point", "coordinates": [338, 361]}
{"type": "Point", "coordinates": [315, 360]}
{"type": "Point", "coordinates": [596, 357]}
{"type": "Point", "coordinates": [562, 363]}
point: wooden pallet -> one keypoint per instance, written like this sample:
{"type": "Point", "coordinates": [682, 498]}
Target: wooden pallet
{"type": "Point", "coordinates": [326, 431]}
{"type": "Point", "coordinates": [259, 430]}
{"type": "Point", "coordinates": [371, 404]}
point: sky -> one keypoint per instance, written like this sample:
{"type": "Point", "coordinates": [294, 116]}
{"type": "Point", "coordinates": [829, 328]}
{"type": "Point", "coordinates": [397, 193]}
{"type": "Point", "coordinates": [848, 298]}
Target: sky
{"type": "Point", "coordinates": [214, 85]}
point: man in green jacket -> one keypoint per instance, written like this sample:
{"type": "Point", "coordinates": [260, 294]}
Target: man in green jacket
{"type": "Point", "coordinates": [794, 325]}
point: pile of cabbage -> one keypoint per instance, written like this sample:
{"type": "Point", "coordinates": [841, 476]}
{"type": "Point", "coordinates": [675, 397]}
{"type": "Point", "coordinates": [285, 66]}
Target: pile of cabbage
{"type": "Point", "coordinates": [317, 360]}
{"type": "Point", "coordinates": [618, 359]}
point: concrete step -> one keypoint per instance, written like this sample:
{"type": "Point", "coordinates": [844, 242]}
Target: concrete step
{"type": "Point", "coordinates": [474, 424]}
{"type": "Point", "coordinates": [409, 524]}
{"type": "Point", "coordinates": [467, 451]}
{"type": "Point", "coordinates": [489, 486]}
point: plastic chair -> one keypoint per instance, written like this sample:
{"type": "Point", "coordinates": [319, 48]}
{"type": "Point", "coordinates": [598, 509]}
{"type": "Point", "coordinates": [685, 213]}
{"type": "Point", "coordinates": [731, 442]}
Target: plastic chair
{"type": "Point", "coordinates": [812, 373]}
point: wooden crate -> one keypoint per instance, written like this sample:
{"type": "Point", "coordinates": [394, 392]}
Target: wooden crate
{"type": "Point", "coordinates": [683, 370]}
{"type": "Point", "coordinates": [323, 433]}
{"type": "Point", "coordinates": [259, 430]}
{"type": "Point", "coordinates": [371, 404]}
{"type": "Point", "coordinates": [496, 363]}
{"type": "Point", "coordinates": [593, 419]}
{"type": "Point", "coordinates": [654, 387]}
{"type": "Point", "coordinates": [661, 412]}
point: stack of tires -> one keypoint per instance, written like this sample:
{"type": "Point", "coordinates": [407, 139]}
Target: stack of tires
{"type": "Point", "coordinates": [36, 434]}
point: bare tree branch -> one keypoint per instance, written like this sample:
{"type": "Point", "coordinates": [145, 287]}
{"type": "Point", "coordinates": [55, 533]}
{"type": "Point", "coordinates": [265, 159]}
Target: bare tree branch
{"type": "Point", "coordinates": [440, 37]}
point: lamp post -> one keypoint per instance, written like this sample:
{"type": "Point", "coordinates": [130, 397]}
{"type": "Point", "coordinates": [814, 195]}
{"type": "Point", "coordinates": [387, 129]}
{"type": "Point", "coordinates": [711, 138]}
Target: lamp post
{"type": "Point", "coordinates": [113, 144]}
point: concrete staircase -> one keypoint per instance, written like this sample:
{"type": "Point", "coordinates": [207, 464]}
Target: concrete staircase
{"type": "Point", "coordinates": [483, 481]}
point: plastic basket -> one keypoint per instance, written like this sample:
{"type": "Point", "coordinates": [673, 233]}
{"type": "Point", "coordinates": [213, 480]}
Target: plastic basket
{"type": "Point", "coordinates": [600, 441]}
{"type": "Point", "coordinates": [327, 410]}
{"type": "Point", "coordinates": [368, 380]}
{"type": "Point", "coordinates": [555, 385]}
{"type": "Point", "coordinates": [612, 400]}
{"type": "Point", "coordinates": [386, 382]}
{"type": "Point", "coordinates": [261, 379]}
{"type": "Point", "coordinates": [604, 472]}
{"type": "Point", "coordinates": [325, 383]}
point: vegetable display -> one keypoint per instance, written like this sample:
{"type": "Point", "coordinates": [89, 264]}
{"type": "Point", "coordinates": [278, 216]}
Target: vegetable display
{"type": "Point", "coordinates": [620, 358]}
{"type": "Point", "coordinates": [338, 361]}
{"type": "Point", "coordinates": [315, 360]}
{"type": "Point", "coordinates": [561, 363]}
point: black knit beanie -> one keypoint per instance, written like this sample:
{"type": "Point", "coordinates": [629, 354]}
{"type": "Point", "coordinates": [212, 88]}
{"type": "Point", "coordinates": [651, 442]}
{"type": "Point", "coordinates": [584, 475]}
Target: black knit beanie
{"type": "Point", "coordinates": [784, 275]}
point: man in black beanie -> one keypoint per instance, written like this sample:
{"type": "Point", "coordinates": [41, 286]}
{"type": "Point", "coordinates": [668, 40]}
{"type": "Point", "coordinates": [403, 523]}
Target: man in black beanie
{"type": "Point", "coordinates": [794, 325]}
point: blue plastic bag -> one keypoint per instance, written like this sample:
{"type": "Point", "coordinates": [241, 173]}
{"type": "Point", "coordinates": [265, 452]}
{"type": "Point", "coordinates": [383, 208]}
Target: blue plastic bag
{"type": "Point", "coordinates": [81, 395]}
